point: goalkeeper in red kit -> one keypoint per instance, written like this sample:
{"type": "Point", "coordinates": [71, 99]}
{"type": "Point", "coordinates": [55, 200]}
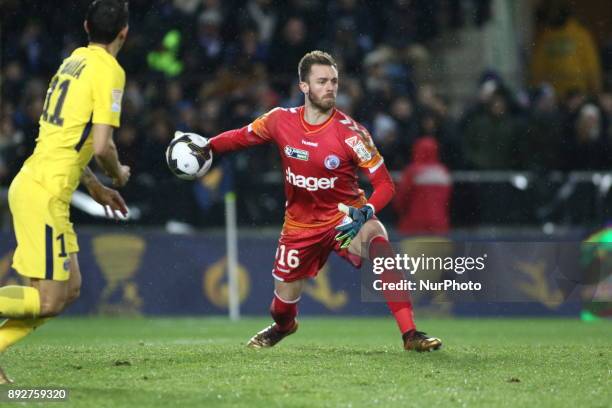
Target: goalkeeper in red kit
{"type": "Point", "coordinates": [321, 150]}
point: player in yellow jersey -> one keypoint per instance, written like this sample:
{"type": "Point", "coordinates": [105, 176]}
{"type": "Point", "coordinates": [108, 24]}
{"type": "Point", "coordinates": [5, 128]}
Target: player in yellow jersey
{"type": "Point", "coordinates": [82, 106]}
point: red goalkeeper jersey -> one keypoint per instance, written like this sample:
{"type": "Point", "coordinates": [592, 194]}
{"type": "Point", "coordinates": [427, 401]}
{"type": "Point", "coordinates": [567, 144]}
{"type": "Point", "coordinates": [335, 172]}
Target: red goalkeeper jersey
{"type": "Point", "coordinates": [320, 163]}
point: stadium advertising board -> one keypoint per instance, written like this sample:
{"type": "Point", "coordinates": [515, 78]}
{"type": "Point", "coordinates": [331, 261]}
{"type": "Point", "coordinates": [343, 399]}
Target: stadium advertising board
{"type": "Point", "coordinates": [162, 274]}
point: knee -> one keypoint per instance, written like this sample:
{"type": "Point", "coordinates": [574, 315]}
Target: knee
{"type": "Point", "coordinates": [51, 307]}
{"type": "Point", "coordinates": [73, 294]}
{"type": "Point", "coordinates": [370, 230]}
{"type": "Point", "coordinates": [375, 228]}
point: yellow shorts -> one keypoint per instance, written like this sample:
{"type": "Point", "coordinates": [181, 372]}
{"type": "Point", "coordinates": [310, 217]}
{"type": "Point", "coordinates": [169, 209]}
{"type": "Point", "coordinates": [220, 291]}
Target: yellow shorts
{"type": "Point", "coordinates": [45, 236]}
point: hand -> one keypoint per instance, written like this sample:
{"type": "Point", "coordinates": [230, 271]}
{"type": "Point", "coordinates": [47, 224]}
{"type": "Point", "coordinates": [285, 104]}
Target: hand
{"type": "Point", "coordinates": [350, 230]}
{"type": "Point", "coordinates": [110, 199]}
{"type": "Point", "coordinates": [123, 177]}
{"type": "Point", "coordinates": [203, 152]}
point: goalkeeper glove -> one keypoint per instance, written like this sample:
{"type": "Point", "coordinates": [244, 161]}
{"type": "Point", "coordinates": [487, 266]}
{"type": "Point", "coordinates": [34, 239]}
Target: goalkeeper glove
{"type": "Point", "coordinates": [350, 230]}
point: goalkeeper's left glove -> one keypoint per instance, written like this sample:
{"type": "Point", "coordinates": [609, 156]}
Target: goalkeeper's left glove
{"type": "Point", "coordinates": [350, 230]}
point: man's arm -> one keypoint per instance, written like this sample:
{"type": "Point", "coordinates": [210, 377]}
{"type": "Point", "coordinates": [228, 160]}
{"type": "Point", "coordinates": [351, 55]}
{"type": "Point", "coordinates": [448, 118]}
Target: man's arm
{"type": "Point", "coordinates": [384, 188]}
{"type": "Point", "coordinates": [107, 197]}
{"type": "Point", "coordinates": [235, 139]}
{"type": "Point", "coordinates": [368, 159]}
{"type": "Point", "coordinates": [105, 153]}
{"type": "Point", "coordinates": [89, 179]}
{"type": "Point", "coordinates": [258, 132]}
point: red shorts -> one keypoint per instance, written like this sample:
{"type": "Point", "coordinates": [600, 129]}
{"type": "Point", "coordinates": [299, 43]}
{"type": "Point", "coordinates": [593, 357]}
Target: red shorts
{"type": "Point", "coordinates": [301, 253]}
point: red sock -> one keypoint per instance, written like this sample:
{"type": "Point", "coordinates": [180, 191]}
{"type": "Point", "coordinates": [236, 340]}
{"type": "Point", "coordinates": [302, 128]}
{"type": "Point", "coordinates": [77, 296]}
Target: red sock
{"type": "Point", "coordinates": [399, 304]}
{"type": "Point", "coordinates": [283, 313]}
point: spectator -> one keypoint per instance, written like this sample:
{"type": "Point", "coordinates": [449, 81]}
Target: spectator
{"type": "Point", "coordinates": [492, 138]}
{"type": "Point", "coordinates": [206, 50]}
{"type": "Point", "coordinates": [12, 81]}
{"type": "Point", "coordinates": [344, 45]}
{"type": "Point", "coordinates": [187, 6]}
{"type": "Point", "coordinates": [11, 150]}
{"type": "Point", "coordinates": [352, 13]}
{"type": "Point", "coordinates": [544, 132]}
{"type": "Point", "coordinates": [401, 28]}
{"type": "Point", "coordinates": [133, 101]}
{"type": "Point", "coordinates": [37, 49]}
{"type": "Point", "coordinates": [386, 138]}
{"type": "Point", "coordinates": [248, 55]}
{"type": "Point", "coordinates": [588, 149]}
{"type": "Point", "coordinates": [286, 51]}
{"type": "Point", "coordinates": [264, 15]}
{"type": "Point", "coordinates": [403, 112]}
{"type": "Point", "coordinates": [378, 82]}
{"type": "Point", "coordinates": [422, 201]}
{"type": "Point", "coordinates": [128, 146]}
{"type": "Point", "coordinates": [349, 35]}
{"type": "Point", "coordinates": [174, 97]}
{"type": "Point", "coordinates": [158, 135]}
{"type": "Point", "coordinates": [605, 101]}
{"type": "Point", "coordinates": [487, 85]}
{"type": "Point", "coordinates": [432, 124]}
{"type": "Point", "coordinates": [565, 53]}
{"type": "Point", "coordinates": [187, 119]}
{"type": "Point", "coordinates": [209, 114]}
{"type": "Point", "coordinates": [429, 98]}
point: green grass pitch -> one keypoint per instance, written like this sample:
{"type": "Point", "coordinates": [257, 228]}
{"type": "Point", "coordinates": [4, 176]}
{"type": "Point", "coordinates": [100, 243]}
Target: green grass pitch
{"type": "Point", "coordinates": [335, 362]}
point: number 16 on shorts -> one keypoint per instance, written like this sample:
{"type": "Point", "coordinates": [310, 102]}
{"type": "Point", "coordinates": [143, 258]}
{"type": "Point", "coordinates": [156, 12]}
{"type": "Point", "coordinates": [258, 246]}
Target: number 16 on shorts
{"type": "Point", "coordinates": [286, 259]}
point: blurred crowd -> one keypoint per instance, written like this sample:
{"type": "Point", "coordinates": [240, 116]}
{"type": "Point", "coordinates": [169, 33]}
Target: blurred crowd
{"type": "Point", "coordinates": [211, 65]}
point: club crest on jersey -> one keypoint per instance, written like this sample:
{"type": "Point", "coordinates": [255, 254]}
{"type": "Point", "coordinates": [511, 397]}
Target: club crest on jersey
{"type": "Point", "coordinates": [359, 148]}
{"type": "Point", "coordinates": [331, 162]}
{"type": "Point", "coordinates": [296, 153]}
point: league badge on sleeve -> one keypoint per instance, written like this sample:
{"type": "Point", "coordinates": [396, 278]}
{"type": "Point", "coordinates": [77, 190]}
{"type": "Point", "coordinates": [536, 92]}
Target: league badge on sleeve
{"type": "Point", "coordinates": [116, 95]}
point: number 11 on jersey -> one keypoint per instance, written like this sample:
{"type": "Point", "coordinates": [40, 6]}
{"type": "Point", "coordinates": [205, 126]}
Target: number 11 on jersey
{"type": "Point", "coordinates": [55, 118]}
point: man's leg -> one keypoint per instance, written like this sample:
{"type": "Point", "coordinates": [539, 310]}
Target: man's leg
{"type": "Point", "coordinates": [283, 310]}
{"type": "Point", "coordinates": [20, 302]}
{"type": "Point", "coordinates": [284, 304]}
{"type": "Point", "coordinates": [56, 295]}
{"type": "Point", "coordinates": [37, 302]}
{"type": "Point", "coordinates": [53, 297]}
{"type": "Point", "coordinates": [74, 282]}
{"type": "Point", "coordinates": [373, 238]}
{"type": "Point", "coordinates": [17, 303]}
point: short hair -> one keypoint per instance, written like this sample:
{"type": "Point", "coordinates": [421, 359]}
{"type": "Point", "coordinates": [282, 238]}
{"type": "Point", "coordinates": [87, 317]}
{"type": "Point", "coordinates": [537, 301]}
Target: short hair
{"type": "Point", "coordinates": [312, 58]}
{"type": "Point", "coordinates": [105, 19]}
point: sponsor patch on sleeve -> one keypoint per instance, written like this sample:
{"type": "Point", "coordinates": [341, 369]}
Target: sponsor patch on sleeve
{"type": "Point", "coordinates": [116, 95]}
{"type": "Point", "coordinates": [359, 148]}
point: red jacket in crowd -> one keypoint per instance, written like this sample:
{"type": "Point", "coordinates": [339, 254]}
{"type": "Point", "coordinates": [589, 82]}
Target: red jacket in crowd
{"type": "Point", "coordinates": [423, 193]}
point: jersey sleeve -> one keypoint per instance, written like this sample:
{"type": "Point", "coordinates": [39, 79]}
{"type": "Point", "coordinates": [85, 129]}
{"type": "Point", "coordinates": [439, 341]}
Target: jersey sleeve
{"type": "Point", "coordinates": [107, 95]}
{"type": "Point", "coordinates": [384, 189]}
{"type": "Point", "coordinates": [362, 149]}
{"type": "Point", "coordinates": [263, 126]}
{"type": "Point", "coordinates": [235, 139]}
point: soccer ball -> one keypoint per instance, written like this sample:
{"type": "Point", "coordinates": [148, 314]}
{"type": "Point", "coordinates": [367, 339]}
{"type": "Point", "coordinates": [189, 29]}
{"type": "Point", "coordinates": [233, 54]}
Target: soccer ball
{"type": "Point", "coordinates": [187, 157]}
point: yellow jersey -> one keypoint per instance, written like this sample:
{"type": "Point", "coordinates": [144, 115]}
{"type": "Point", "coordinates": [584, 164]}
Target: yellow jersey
{"type": "Point", "coordinates": [87, 89]}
